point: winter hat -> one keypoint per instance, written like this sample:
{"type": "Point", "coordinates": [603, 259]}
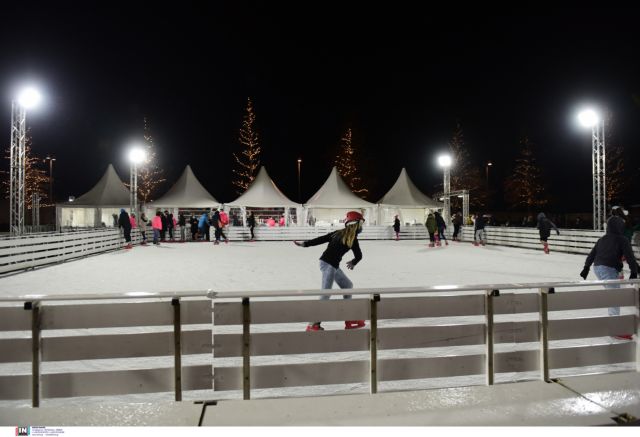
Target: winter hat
{"type": "Point", "coordinates": [121, 209]}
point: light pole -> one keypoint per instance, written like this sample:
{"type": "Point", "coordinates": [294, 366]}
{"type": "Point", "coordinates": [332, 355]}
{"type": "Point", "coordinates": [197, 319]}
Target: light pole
{"type": "Point", "coordinates": [50, 159]}
{"type": "Point", "coordinates": [444, 161]}
{"type": "Point", "coordinates": [137, 156]}
{"type": "Point", "coordinates": [590, 119]}
{"type": "Point", "coordinates": [299, 195]}
{"type": "Point", "coordinates": [27, 99]}
{"type": "Point", "coordinates": [489, 164]}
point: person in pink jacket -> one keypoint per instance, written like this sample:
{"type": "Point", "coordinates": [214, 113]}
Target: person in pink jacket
{"type": "Point", "coordinates": [132, 219]}
{"type": "Point", "coordinates": [156, 224]}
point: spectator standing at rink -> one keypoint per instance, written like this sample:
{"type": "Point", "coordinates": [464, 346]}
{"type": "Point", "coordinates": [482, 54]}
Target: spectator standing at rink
{"type": "Point", "coordinates": [203, 226]}
{"type": "Point", "coordinates": [340, 242]}
{"type": "Point", "coordinates": [171, 224]}
{"type": "Point", "coordinates": [142, 224]}
{"type": "Point", "coordinates": [182, 222]}
{"type": "Point", "coordinates": [479, 234]}
{"type": "Point", "coordinates": [457, 222]}
{"type": "Point", "coordinates": [432, 228]}
{"type": "Point", "coordinates": [194, 227]}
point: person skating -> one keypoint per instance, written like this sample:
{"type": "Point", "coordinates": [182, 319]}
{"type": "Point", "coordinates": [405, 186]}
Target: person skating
{"type": "Point", "coordinates": [479, 234]}
{"type": "Point", "coordinates": [340, 242]}
{"type": "Point", "coordinates": [142, 225]}
{"type": "Point", "coordinates": [203, 226]}
{"type": "Point", "coordinates": [165, 226]}
{"type": "Point", "coordinates": [171, 224]}
{"type": "Point", "coordinates": [224, 222]}
{"type": "Point", "coordinates": [441, 227]}
{"type": "Point", "coordinates": [396, 227]}
{"type": "Point", "coordinates": [432, 228]}
{"type": "Point", "coordinates": [182, 222]}
{"type": "Point", "coordinates": [544, 226]}
{"type": "Point", "coordinates": [457, 222]}
{"type": "Point", "coordinates": [156, 225]}
{"type": "Point", "coordinates": [194, 227]}
{"type": "Point", "coordinates": [251, 222]}
{"type": "Point", "coordinates": [125, 223]}
{"type": "Point", "coordinates": [217, 225]}
{"type": "Point", "coordinates": [606, 258]}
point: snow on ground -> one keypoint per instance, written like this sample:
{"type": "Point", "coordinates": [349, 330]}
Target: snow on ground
{"type": "Point", "coordinates": [241, 266]}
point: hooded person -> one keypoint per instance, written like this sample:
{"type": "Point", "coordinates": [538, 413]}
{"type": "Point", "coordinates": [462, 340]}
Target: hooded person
{"type": "Point", "coordinates": [396, 227]}
{"type": "Point", "coordinates": [544, 227]}
{"type": "Point", "coordinates": [606, 257]}
{"type": "Point", "coordinates": [125, 223]}
{"type": "Point", "coordinates": [340, 242]}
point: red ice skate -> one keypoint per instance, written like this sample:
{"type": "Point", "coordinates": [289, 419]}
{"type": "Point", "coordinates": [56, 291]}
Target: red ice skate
{"type": "Point", "coordinates": [353, 324]}
{"type": "Point", "coordinates": [128, 246]}
{"type": "Point", "coordinates": [314, 327]}
{"type": "Point", "coordinates": [546, 248]}
{"type": "Point", "coordinates": [475, 243]}
{"type": "Point", "coordinates": [431, 245]}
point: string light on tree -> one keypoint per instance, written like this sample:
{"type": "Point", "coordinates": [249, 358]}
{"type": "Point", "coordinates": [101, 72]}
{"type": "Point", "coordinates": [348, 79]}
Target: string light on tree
{"type": "Point", "coordinates": [346, 165]}
{"type": "Point", "coordinates": [150, 175]}
{"type": "Point", "coordinates": [524, 188]}
{"type": "Point", "coordinates": [248, 162]}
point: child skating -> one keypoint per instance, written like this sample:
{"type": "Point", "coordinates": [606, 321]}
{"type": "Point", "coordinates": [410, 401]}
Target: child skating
{"type": "Point", "coordinates": [544, 226]}
{"type": "Point", "coordinates": [340, 242]}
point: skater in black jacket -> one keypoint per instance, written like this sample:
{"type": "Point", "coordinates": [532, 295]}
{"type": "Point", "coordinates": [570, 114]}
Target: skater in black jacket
{"type": "Point", "coordinates": [544, 226]}
{"type": "Point", "coordinates": [457, 222]}
{"type": "Point", "coordinates": [251, 222]}
{"type": "Point", "coordinates": [125, 223]}
{"type": "Point", "coordinates": [340, 242]}
{"type": "Point", "coordinates": [478, 231]}
{"type": "Point", "coordinates": [441, 227]}
{"type": "Point", "coordinates": [396, 227]}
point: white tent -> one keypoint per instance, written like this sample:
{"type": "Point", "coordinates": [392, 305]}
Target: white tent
{"type": "Point", "coordinates": [264, 196]}
{"type": "Point", "coordinates": [407, 201]}
{"type": "Point", "coordinates": [333, 200]}
{"type": "Point", "coordinates": [96, 207]}
{"type": "Point", "coordinates": [187, 192]}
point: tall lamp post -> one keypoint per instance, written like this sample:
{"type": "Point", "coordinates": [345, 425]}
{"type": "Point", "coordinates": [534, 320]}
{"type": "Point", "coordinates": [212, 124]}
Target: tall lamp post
{"type": "Point", "coordinates": [299, 195]}
{"type": "Point", "coordinates": [27, 99]}
{"type": "Point", "coordinates": [137, 156]}
{"type": "Point", "coordinates": [444, 161]}
{"type": "Point", "coordinates": [50, 159]}
{"type": "Point", "coordinates": [590, 119]}
{"type": "Point", "coordinates": [489, 164]}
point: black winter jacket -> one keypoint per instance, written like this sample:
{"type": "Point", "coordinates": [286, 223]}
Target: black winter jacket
{"type": "Point", "coordinates": [545, 225]}
{"type": "Point", "coordinates": [123, 221]}
{"type": "Point", "coordinates": [336, 249]}
{"type": "Point", "coordinates": [609, 249]}
{"type": "Point", "coordinates": [479, 223]}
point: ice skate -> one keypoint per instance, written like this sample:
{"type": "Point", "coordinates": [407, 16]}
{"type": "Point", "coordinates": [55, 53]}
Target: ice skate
{"type": "Point", "coordinates": [215, 243]}
{"type": "Point", "coordinates": [623, 337]}
{"type": "Point", "coordinates": [446, 242]}
{"type": "Point", "coordinates": [438, 244]}
{"type": "Point", "coordinates": [431, 244]}
{"type": "Point", "coordinates": [226, 241]}
{"type": "Point", "coordinates": [475, 243]}
{"type": "Point", "coordinates": [546, 248]}
{"type": "Point", "coordinates": [128, 246]}
{"type": "Point", "coordinates": [314, 327]}
{"type": "Point", "coordinates": [353, 324]}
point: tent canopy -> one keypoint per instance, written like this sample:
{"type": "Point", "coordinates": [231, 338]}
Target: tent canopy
{"type": "Point", "coordinates": [187, 192]}
{"type": "Point", "coordinates": [108, 192]}
{"type": "Point", "coordinates": [336, 194]}
{"type": "Point", "coordinates": [405, 194]}
{"type": "Point", "coordinates": [263, 193]}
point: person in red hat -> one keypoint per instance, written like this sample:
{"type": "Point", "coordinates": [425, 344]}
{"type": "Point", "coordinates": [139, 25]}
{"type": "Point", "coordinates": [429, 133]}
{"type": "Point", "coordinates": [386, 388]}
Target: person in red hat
{"type": "Point", "coordinates": [340, 242]}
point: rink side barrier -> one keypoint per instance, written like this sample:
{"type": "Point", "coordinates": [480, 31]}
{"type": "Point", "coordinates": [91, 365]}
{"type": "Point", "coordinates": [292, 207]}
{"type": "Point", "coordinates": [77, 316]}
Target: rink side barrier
{"type": "Point", "coordinates": [33, 250]}
{"type": "Point", "coordinates": [245, 343]}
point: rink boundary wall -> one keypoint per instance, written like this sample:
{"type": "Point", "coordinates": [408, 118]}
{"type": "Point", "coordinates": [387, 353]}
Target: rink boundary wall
{"type": "Point", "coordinates": [31, 251]}
{"type": "Point", "coordinates": [544, 320]}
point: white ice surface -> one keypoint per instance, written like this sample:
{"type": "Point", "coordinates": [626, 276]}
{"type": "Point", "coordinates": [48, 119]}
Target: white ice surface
{"type": "Point", "coordinates": [239, 266]}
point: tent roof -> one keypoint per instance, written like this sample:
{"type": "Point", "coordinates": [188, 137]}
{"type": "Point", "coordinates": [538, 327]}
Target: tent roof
{"type": "Point", "coordinates": [404, 193]}
{"type": "Point", "coordinates": [263, 193]}
{"type": "Point", "coordinates": [109, 191]}
{"type": "Point", "coordinates": [336, 194]}
{"type": "Point", "coordinates": [187, 192]}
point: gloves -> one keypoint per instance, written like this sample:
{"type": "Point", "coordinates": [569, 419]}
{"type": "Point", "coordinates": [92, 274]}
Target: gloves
{"type": "Point", "coordinates": [350, 265]}
{"type": "Point", "coordinates": [633, 275]}
{"type": "Point", "coordinates": [298, 243]}
{"type": "Point", "coordinates": [584, 273]}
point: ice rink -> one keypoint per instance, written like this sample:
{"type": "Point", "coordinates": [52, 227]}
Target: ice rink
{"type": "Point", "coordinates": [241, 266]}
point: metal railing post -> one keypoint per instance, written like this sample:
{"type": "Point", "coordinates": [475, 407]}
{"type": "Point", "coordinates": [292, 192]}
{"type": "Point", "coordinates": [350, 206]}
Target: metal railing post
{"type": "Point", "coordinates": [246, 349]}
{"type": "Point", "coordinates": [177, 348]}
{"type": "Point", "coordinates": [544, 333]}
{"type": "Point", "coordinates": [488, 305]}
{"type": "Point", "coordinates": [34, 307]}
{"type": "Point", "coordinates": [637, 287]}
{"type": "Point", "coordinates": [373, 344]}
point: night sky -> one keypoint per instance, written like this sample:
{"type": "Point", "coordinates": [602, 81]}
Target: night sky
{"type": "Point", "coordinates": [400, 76]}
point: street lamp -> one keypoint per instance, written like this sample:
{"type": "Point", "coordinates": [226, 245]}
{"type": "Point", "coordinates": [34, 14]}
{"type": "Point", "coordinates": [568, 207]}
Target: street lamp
{"type": "Point", "coordinates": [444, 161]}
{"type": "Point", "coordinates": [489, 164]}
{"type": "Point", "coordinates": [299, 195]}
{"type": "Point", "coordinates": [28, 98]}
{"type": "Point", "coordinates": [50, 159]}
{"type": "Point", "coordinates": [137, 155]}
{"type": "Point", "coordinates": [589, 118]}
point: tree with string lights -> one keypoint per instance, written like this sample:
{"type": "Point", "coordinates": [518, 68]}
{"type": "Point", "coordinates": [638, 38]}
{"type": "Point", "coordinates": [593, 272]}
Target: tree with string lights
{"type": "Point", "coordinates": [150, 175]}
{"type": "Point", "coordinates": [524, 188]}
{"type": "Point", "coordinates": [464, 175]}
{"type": "Point", "coordinates": [614, 166]}
{"type": "Point", "coordinates": [346, 165]}
{"type": "Point", "coordinates": [35, 178]}
{"type": "Point", "coordinates": [248, 160]}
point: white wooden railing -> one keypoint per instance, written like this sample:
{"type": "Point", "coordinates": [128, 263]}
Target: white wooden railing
{"type": "Point", "coordinates": [485, 333]}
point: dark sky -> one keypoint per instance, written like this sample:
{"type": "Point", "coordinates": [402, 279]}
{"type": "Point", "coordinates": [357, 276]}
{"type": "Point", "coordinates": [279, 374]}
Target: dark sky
{"type": "Point", "coordinates": [401, 76]}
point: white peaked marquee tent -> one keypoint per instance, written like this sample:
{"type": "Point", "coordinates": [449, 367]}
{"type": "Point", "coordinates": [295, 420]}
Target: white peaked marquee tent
{"type": "Point", "coordinates": [187, 192]}
{"type": "Point", "coordinates": [264, 194]}
{"type": "Point", "coordinates": [407, 201]}
{"type": "Point", "coordinates": [333, 200]}
{"type": "Point", "coordinates": [96, 207]}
